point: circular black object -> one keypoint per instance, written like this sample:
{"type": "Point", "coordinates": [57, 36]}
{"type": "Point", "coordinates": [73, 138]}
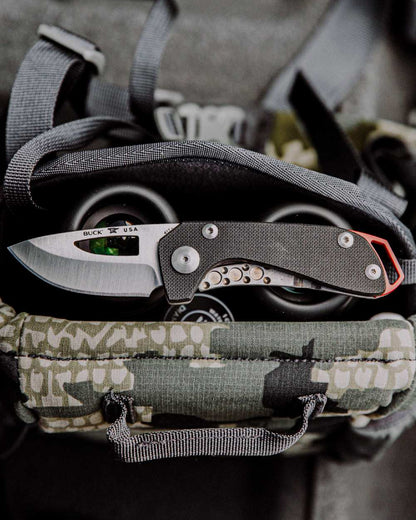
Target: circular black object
{"type": "Point", "coordinates": [299, 303]}
{"type": "Point", "coordinates": [203, 308]}
{"type": "Point", "coordinates": [119, 204]}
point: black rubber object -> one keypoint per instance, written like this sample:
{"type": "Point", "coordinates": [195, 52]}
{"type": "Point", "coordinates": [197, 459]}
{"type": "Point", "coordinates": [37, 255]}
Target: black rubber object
{"type": "Point", "coordinates": [142, 204]}
{"type": "Point", "coordinates": [308, 251]}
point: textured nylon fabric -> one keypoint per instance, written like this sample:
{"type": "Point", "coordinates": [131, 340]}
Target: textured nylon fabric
{"type": "Point", "coordinates": [146, 61]}
{"type": "Point", "coordinates": [115, 101]}
{"type": "Point", "coordinates": [45, 71]}
{"type": "Point", "coordinates": [335, 151]}
{"type": "Point", "coordinates": [382, 195]}
{"type": "Point", "coordinates": [332, 188]}
{"type": "Point", "coordinates": [230, 442]}
{"type": "Point", "coordinates": [409, 269]}
{"type": "Point", "coordinates": [69, 136]}
{"type": "Point", "coordinates": [335, 54]}
{"type": "Point", "coordinates": [107, 99]}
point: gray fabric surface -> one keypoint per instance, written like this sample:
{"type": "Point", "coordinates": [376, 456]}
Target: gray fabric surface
{"type": "Point", "coordinates": [216, 52]}
{"type": "Point", "coordinates": [382, 490]}
{"type": "Point", "coordinates": [335, 54]}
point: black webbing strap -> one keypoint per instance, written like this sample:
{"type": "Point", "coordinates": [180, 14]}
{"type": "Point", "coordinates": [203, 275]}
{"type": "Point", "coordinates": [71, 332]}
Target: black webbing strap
{"type": "Point", "coordinates": [337, 154]}
{"type": "Point", "coordinates": [229, 442]}
{"type": "Point", "coordinates": [65, 137]}
{"type": "Point", "coordinates": [46, 77]}
{"type": "Point", "coordinates": [147, 59]}
{"type": "Point", "coordinates": [334, 55]}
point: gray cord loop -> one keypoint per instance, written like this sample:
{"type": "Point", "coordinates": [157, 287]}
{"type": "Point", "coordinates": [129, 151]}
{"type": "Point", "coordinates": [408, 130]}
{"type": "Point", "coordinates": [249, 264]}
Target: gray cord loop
{"type": "Point", "coordinates": [66, 137]}
{"type": "Point", "coordinates": [147, 59]}
{"type": "Point", "coordinates": [229, 442]}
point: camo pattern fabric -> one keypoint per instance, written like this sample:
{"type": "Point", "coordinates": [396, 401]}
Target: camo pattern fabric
{"type": "Point", "coordinates": [197, 374]}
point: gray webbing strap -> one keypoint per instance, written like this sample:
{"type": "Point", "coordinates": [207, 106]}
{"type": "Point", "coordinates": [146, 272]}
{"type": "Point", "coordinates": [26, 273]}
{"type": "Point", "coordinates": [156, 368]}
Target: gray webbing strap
{"type": "Point", "coordinates": [147, 59]}
{"type": "Point", "coordinates": [335, 54]}
{"type": "Point", "coordinates": [408, 266]}
{"type": "Point", "coordinates": [229, 442]}
{"type": "Point", "coordinates": [48, 72]}
{"type": "Point", "coordinates": [381, 194]}
{"type": "Point", "coordinates": [59, 59]}
{"type": "Point", "coordinates": [107, 99]}
{"type": "Point", "coordinates": [65, 137]}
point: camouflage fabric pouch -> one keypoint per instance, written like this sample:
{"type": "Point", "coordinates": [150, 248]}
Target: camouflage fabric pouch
{"type": "Point", "coordinates": [219, 389]}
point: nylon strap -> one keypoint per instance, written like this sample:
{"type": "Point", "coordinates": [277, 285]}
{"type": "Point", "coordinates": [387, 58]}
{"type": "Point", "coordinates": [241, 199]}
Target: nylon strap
{"type": "Point", "coordinates": [147, 59]}
{"type": "Point", "coordinates": [65, 137]}
{"type": "Point", "coordinates": [408, 266]}
{"type": "Point", "coordinates": [337, 155]}
{"type": "Point", "coordinates": [139, 101]}
{"type": "Point", "coordinates": [50, 70]}
{"type": "Point", "coordinates": [47, 75]}
{"type": "Point", "coordinates": [381, 194]}
{"type": "Point", "coordinates": [335, 54]}
{"type": "Point", "coordinates": [107, 99]}
{"type": "Point", "coordinates": [230, 442]}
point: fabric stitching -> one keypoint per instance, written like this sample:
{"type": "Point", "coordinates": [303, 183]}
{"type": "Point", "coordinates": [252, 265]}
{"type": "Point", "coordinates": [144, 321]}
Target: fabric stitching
{"type": "Point", "coordinates": [21, 333]}
{"type": "Point", "coordinates": [188, 358]}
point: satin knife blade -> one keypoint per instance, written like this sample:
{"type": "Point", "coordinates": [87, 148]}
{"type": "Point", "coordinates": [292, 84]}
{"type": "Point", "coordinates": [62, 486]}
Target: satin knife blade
{"type": "Point", "coordinates": [134, 260]}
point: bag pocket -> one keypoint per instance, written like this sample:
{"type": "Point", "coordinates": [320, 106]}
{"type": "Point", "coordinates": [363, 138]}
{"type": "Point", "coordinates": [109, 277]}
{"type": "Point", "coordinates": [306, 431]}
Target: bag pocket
{"type": "Point", "coordinates": [189, 375]}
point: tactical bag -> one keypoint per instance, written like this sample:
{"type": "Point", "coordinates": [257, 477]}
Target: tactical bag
{"type": "Point", "coordinates": [194, 388]}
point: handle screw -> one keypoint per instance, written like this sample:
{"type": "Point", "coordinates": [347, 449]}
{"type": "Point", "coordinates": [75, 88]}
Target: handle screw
{"type": "Point", "coordinates": [345, 239]}
{"type": "Point", "coordinates": [210, 231]}
{"type": "Point", "coordinates": [373, 272]}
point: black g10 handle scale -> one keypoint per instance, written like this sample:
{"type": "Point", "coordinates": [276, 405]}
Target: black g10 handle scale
{"type": "Point", "coordinates": [337, 259]}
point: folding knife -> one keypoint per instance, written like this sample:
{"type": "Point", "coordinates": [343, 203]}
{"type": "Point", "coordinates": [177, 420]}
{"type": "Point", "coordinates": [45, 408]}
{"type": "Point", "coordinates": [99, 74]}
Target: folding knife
{"type": "Point", "coordinates": [135, 260]}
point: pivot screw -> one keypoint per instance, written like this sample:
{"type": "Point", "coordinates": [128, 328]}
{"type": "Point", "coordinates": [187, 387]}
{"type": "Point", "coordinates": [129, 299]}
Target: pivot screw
{"type": "Point", "coordinates": [210, 231]}
{"type": "Point", "coordinates": [345, 240]}
{"type": "Point", "coordinates": [373, 272]}
{"type": "Point", "coordinates": [185, 259]}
